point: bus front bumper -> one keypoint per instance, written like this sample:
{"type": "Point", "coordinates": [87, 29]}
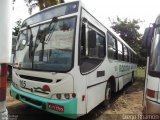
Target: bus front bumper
{"type": "Point", "coordinates": [66, 108]}
{"type": "Point", "coordinates": [152, 107]}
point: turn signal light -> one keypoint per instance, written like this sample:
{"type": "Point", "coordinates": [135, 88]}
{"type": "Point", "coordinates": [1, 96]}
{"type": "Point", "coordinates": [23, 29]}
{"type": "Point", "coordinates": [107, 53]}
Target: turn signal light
{"type": "Point", "coordinates": [151, 93]}
{"type": "Point", "coordinates": [46, 88]}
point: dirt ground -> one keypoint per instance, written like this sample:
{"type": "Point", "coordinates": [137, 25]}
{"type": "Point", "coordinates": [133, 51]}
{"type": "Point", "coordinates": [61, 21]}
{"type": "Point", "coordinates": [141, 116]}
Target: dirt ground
{"type": "Point", "coordinates": [127, 101]}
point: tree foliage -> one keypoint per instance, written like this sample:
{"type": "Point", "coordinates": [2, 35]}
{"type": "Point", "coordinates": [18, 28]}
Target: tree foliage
{"type": "Point", "coordinates": [41, 3]}
{"type": "Point", "coordinates": [17, 28]}
{"type": "Point", "coordinates": [128, 30]}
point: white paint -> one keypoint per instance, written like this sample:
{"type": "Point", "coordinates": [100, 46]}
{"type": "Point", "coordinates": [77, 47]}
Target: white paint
{"type": "Point", "coordinates": [5, 43]}
{"type": "Point", "coordinates": [5, 31]}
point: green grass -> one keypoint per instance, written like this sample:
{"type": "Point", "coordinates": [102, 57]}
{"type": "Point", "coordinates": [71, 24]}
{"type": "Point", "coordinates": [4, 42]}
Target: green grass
{"type": "Point", "coordinates": [141, 72]}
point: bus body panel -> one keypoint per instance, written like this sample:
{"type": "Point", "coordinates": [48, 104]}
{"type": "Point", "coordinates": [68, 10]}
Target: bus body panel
{"type": "Point", "coordinates": [5, 49]}
{"type": "Point", "coordinates": [112, 71]}
{"type": "Point", "coordinates": [150, 83]}
{"type": "Point", "coordinates": [80, 90]}
{"type": "Point", "coordinates": [151, 98]}
{"type": "Point", "coordinates": [126, 71]}
{"type": "Point", "coordinates": [60, 82]}
{"type": "Point", "coordinates": [96, 85]}
{"type": "Point", "coordinates": [152, 105]}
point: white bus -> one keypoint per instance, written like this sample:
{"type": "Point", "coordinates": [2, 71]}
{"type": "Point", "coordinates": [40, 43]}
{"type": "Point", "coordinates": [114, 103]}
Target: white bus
{"type": "Point", "coordinates": [5, 52]}
{"type": "Point", "coordinates": [67, 62]}
{"type": "Point", "coordinates": [151, 40]}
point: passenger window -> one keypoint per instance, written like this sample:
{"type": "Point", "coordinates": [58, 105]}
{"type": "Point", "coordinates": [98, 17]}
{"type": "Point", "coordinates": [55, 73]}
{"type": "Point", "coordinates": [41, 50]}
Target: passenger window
{"type": "Point", "coordinates": [98, 51]}
{"type": "Point", "coordinates": [129, 55]}
{"type": "Point", "coordinates": [125, 53]}
{"type": "Point", "coordinates": [112, 49]}
{"type": "Point", "coordinates": [120, 51]}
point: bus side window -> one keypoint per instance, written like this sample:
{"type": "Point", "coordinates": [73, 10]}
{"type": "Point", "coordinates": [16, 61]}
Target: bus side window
{"type": "Point", "coordinates": [83, 39]}
{"type": "Point", "coordinates": [112, 47]}
{"type": "Point", "coordinates": [125, 53]}
{"type": "Point", "coordinates": [129, 55]}
{"type": "Point", "coordinates": [120, 51]}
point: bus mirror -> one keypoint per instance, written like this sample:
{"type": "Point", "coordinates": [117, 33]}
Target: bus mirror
{"type": "Point", "coordinates": [91, 39]}
{"type": "Point", "coordinates": [147, 37]}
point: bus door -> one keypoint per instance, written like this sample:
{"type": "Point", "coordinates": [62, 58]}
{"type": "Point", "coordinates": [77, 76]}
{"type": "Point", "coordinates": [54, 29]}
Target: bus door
{"type": "Point", "coordinates": [92, 63]}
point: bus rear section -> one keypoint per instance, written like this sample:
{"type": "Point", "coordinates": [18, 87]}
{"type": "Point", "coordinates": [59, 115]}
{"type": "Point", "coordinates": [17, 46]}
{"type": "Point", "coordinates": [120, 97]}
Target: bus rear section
{"type": "Point", "coordinates": [151, 40]}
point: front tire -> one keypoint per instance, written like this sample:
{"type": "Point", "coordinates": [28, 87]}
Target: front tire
{"type": "Point", "coordinates": [108, 94]}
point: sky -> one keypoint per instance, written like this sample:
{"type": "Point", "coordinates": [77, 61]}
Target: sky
{"type": "Point", "coordinates": [145, 10]}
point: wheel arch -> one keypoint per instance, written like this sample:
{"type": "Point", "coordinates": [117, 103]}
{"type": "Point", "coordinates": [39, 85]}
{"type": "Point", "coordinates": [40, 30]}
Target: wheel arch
{"type": "Point", "coordinates": [112, 80]}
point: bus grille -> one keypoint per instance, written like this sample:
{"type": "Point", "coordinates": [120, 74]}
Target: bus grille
{"type": "Point", "coordinates": [36, 79]}
{"type": "Point", "coordinates": [31, 100]}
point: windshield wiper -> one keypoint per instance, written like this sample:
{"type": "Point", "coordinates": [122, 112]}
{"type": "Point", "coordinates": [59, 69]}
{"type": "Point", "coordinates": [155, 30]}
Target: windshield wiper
{"type": "Point", "coordinates": [50, 32]}
{"type": "Point", "coordinates": [51, 29]}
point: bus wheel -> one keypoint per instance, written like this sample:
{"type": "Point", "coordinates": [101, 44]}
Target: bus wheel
{"type": "Point", "coordinates": [108, 92]}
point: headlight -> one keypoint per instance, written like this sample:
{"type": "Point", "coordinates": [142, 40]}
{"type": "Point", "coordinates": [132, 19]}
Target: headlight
{"type": "Point", "coordinates": [67, 95]}
{"type": "Point", "coordinates": [63, 96]}
{"type": "Point", "coordinates": [58, 96]}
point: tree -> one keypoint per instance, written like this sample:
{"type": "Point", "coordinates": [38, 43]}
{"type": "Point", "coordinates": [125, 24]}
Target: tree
{"type": "Point", "coordinates": [41, 4]}
{"type": "Point", "coordinates": [17, 27]}
{"type": "Point", "coordinates": [128, 31]}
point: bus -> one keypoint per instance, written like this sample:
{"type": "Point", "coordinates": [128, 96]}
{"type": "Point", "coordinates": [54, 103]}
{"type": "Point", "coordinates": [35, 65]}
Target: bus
{"type": "Point", "coordinates": [5, 52]}
{"type": "Point", "coordinates": [67, 62]}
{"type": "Point", "coordinates": [14, 41]}
{"type": "Point", "coordinates": [151, 41]}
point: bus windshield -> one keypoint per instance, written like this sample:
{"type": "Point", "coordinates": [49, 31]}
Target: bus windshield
{"type": "Point", "coordinates": [155, 52]}
{"type": "Point", "coordinates": [47, 47]}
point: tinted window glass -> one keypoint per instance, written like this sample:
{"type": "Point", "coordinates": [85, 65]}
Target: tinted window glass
{"type": "Point", "coordinates": [111, 47]}
{"type": "Point", "coordinates": [155, 52]}
{"type": "Point", "coordinates": [120, 51]}
{"type": "Point", "coordinates": [125, 53]}
{"type": "Point", "coordinates": [99, 50]}
{"type": "Point", "coordinates": [129, 55]}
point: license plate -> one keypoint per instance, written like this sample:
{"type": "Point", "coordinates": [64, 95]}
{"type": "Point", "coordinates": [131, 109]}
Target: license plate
{"type": "Point", "coordinates": [56, 107]}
